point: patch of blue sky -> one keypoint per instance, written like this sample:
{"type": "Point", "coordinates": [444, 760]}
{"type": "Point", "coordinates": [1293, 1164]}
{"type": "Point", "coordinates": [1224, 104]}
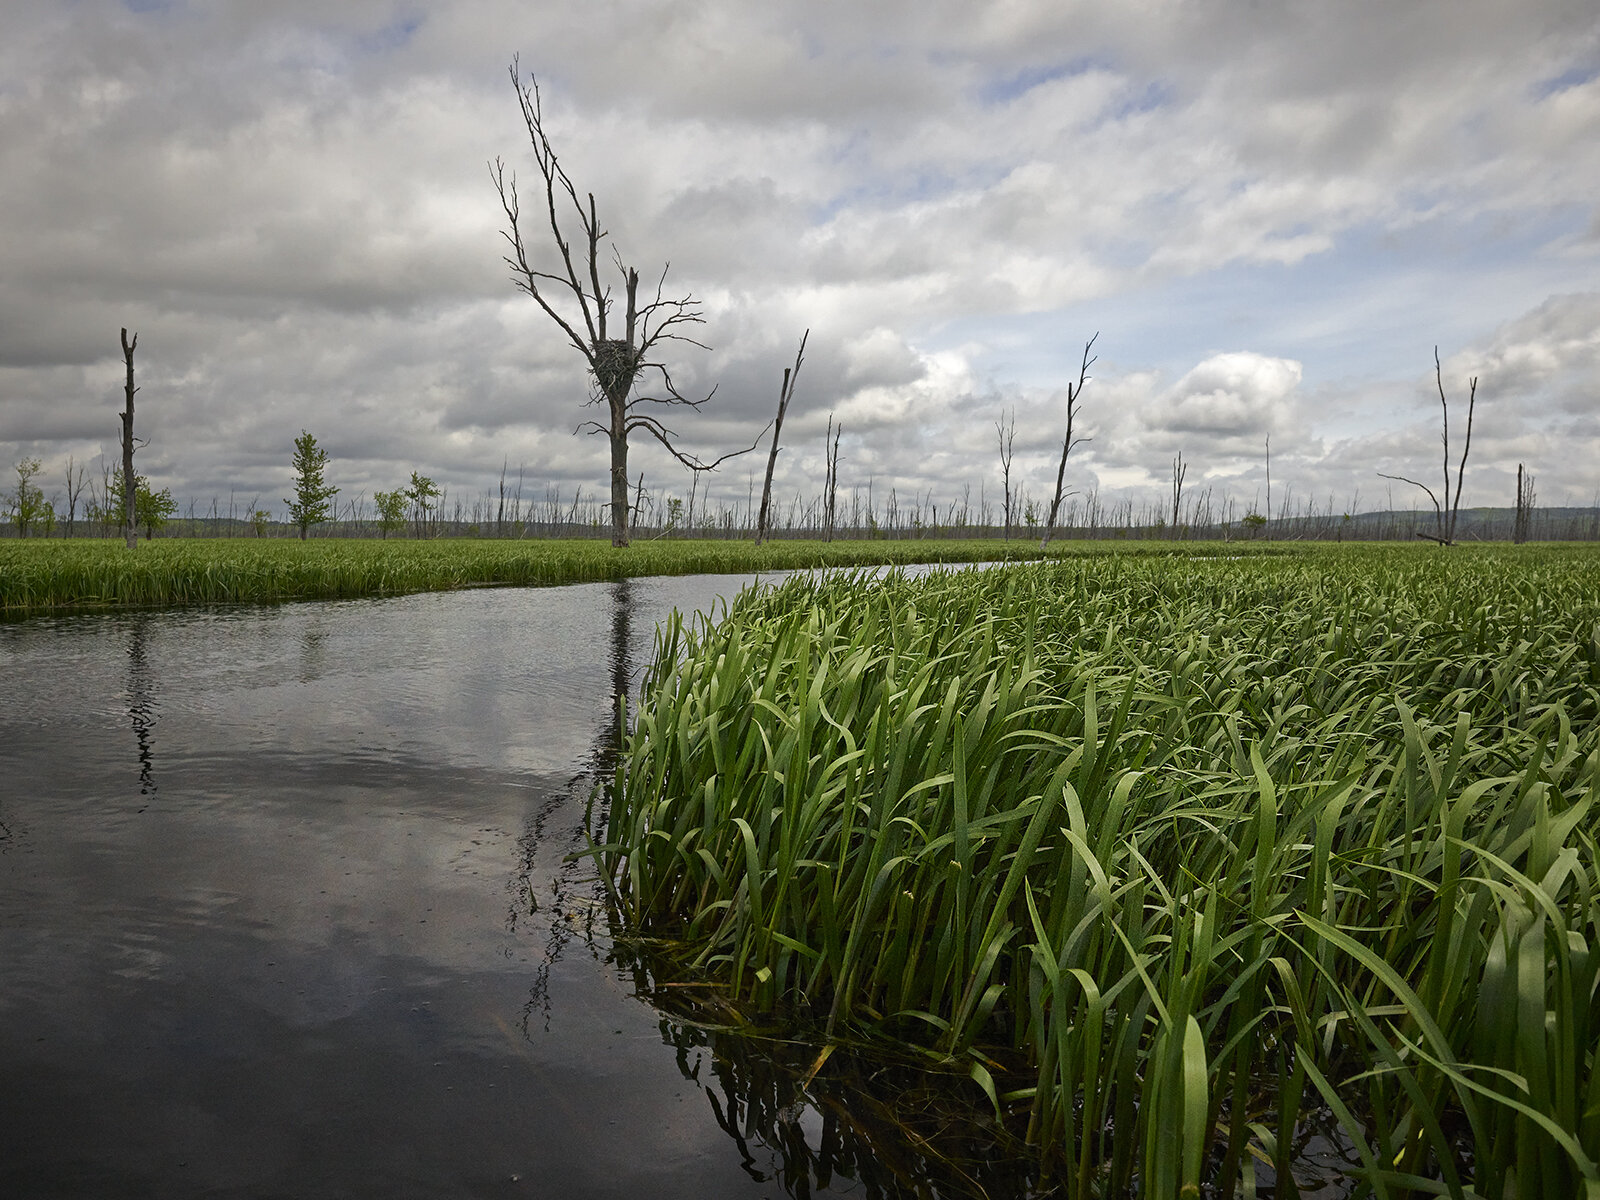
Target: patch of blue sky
{"type": "Point", "coordinates": [1003, 89]}
{"type": "Point", "coordinates": [1373, 307]}
{"type": "Point", "coordinates": [148, 6]}
{"type": "Point", "coordinates": [1131, 100]}
{"type": "Point", "coordinates": [1135, 101]}
{"type": "Point", "coordinates": [389, 37]}
{"type": "Point", "coordinates": [1574, 76]}
{"type": "Point", "coordinates": [338, 51]}
{"type": "Point", "coordinates": [877, 190]}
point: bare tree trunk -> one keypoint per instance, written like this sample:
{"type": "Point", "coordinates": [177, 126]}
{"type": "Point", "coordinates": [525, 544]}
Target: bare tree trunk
{"type": "Point", "coordinates": [1466, 445]}
{"type": "Point", "coordinates": [1522, 527]}
{"type": "Point", "coordinates": [1179, 470]}
{"type": "Point", "coordinates": [130, 533]}
{"type": "Point", "coordinates": [74, 493]}
{"type": "Point", "coordinates": [619, 489]}
{"type": "Point", "coordinates": [1006, 429]}
{"type": "Point", "coordinates": [1068, 442]}
{"type": "Point", "coordinates": [1267, 528]}
{"type": "Point", "coordinates": [830, 448]}
{"type": "Point", "coordinates": [791, 376]}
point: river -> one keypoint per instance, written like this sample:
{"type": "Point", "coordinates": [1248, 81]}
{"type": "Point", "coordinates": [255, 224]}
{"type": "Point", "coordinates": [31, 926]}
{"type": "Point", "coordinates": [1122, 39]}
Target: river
{"type": "Point", "coordinates": [286, 909]}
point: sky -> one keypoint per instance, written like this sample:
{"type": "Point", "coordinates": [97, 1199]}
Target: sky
{"type": "Point", "coordinates": [1268, 216]}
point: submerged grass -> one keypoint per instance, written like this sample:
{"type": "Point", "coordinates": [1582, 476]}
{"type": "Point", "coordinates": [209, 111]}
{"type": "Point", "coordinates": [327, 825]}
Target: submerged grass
{"type": "Point", "coordinates": [44, 575]}
{"type": "Point", "coordinates": [1169, 856]}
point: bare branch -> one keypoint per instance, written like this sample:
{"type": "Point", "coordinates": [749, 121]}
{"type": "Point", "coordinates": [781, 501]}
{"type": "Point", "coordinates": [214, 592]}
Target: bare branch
{"type": "Point", "coordinates": [524, 275]}
{"type": "Point", "coordinates": [555, 177]}
{"type": "Point", "coordinates": [673, 396]}
{"type": "Point", "coordinates": [662, 434]}
{"type": "Point", "coordinates": [1414, 483]}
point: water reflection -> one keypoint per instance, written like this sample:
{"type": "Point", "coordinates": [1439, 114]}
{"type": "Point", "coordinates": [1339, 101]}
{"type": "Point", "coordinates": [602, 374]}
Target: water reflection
{"type": "Point", "coordinates": [573, 893]}
{"type": "Point", "coordinates": [608, 744]}
{"type": "Point", "coordinates": [141, 693]}
{"type": "Point", "coordinates": [312, 653]}
{"type": "Point", "coordinates": [303, 970]}
{"type": "Point", "coordinates": [811, 1119]}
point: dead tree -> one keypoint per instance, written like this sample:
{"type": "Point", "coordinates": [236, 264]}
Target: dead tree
{"type": "Point", "coordinates": [1074, 395]}
{"type": "Point", "coordinates": [1522, 528]}
{"type": "Point", "coordinates": [571, 295]}
{"type": "Point", "coordinates": [1266, 525]}
{"type": "Point", "coordinates": [1006, 431]}
{"type": "Point", "coordinates": [74, 493]}
{"type": "Point", "coordinates": [791, 376]}
{"type": "Point", "coordinates": [130, 531]}
{"type": "Point", "coordinates": [1179, 470]}
{"type": "Point", "coordinates": [1446, 509]}
{"type": "Point", "coordinates": [830, 449]}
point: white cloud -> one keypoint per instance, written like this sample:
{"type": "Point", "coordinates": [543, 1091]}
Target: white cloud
{"type": "Point", "coordinates": [1234, 394]}
{"type": "Point", "coordinates": [290, 203]}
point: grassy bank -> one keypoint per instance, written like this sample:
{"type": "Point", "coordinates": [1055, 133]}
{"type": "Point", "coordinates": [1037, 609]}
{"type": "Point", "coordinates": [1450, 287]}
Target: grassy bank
{"type": "Point", "coordinates": [1167, 854]}
{"type": "Point", "coordinates": [44, 575]}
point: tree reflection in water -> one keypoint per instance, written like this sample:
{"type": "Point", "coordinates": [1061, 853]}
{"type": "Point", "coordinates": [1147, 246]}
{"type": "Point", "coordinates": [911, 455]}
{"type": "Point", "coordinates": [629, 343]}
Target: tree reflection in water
{"type": "Point", "coordinates": [142, 701]}
{"type": "Point", "coordinates": [574, 894]}
{"type": "Point", "coordinates": [873, 1125]}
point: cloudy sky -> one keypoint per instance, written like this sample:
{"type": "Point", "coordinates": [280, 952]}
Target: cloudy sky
{"type": "Point", "coordinates": [1270, 214]}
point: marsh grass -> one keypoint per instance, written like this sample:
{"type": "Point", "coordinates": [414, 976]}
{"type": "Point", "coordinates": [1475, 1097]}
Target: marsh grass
{"type": "Point", "coordinates": [44, 575]}
{"type": "Point", "coordinates": [1169, 856]}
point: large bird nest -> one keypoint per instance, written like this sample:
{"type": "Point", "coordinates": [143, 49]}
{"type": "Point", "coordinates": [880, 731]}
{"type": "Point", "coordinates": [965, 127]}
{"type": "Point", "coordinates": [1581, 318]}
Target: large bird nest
{"type": "Point", "coordinates": [616, 365]}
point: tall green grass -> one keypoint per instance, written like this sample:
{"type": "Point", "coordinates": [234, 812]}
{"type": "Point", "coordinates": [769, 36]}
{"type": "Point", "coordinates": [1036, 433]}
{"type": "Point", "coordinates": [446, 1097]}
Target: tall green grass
{"type": "Point", "coordinates": [45, 575]}
{"type": "Point", "coordinates": [1170, 856]}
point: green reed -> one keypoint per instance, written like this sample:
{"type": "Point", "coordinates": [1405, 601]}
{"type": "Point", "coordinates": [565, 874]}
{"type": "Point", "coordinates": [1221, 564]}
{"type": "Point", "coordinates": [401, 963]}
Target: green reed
{"type": "Point", "coordinates": [46, 575]}
{"type": "Point", "coordinates": [1169, 855]}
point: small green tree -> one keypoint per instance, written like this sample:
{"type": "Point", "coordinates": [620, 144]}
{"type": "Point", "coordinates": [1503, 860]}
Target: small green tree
{"type": "Point", "coordinates": [258, 521]}
{"type": "Point", "coordinates": [422, 493]}
{"type": "Point", "coordinates": [151, 510]}
{"type": "Point", "coordinates": [312, 496]}
{"type": "Point", "coordinates": [391, 508]}
{"type": "Point", "coordinates": [27, 499]}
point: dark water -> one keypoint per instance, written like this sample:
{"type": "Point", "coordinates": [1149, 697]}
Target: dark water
{"type": "Point", "coordinates": [285, 911]}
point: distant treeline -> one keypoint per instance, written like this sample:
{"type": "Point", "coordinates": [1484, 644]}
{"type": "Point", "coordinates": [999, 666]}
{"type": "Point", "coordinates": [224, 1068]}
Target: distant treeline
{"type": "Point", "coordinates": [859, 514]}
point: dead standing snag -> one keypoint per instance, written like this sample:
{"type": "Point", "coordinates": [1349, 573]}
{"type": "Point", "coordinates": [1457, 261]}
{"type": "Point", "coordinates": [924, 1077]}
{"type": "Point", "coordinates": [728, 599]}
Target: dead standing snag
{"type": "Point", "coordinates": [1445, 509]}
{"type": "Point", "coordinates": [791, 377]}
{"type": "Point", "coordinates": [1074, 394]}
{"type": "Point", "coordinates": [571, 295]}
{"type": "Point", "coordinates": [130, 528]}
{"type": "Point", "coordinates": [1006, 431]}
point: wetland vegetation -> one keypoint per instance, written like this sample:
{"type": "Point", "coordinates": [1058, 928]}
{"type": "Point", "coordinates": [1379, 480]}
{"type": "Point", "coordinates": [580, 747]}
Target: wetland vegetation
{"type": "Point", "coordinates": [44, 575]}
{"type": "Point", "coordinates": [1199, 869]}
